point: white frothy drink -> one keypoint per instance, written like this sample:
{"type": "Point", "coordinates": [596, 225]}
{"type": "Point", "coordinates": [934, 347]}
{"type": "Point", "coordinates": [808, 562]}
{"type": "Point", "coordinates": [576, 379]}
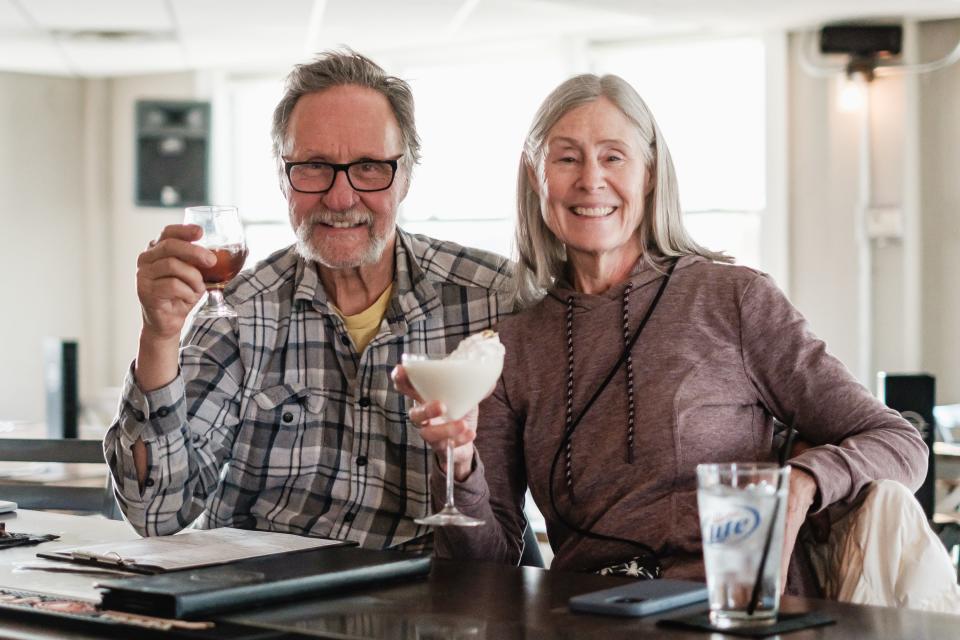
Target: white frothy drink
{"type": "Point", "coordinates": [462, 379]}
{"type": "Point", "coordinates": [735, 522]}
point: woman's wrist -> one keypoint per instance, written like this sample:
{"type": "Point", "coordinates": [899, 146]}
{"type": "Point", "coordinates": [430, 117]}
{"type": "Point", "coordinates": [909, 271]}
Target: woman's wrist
{"type": "Point", "coordinates": [463, 464]}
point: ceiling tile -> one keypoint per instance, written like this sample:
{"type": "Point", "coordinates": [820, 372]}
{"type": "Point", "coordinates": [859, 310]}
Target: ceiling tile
{"type": "Point", "coordinates": [245, 15]}
{"type": "Point", "coordinates": [100, 15]}
{"type": "Point", "coordinates": [255, 34]}
{"type": "Point", "coordinates": [12, 19]}
{"type": "Point", "coordinates": [490, 19]}
{"type": "Point", "coordinates": [115, 58]}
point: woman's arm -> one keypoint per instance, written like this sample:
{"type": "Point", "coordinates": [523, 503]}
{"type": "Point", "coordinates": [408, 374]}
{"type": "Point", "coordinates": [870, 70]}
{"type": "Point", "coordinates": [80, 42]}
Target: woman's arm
{"type": "Point", "coordinates": [494, 491]}
{"type": "Point", "coordinates": [856, 438]}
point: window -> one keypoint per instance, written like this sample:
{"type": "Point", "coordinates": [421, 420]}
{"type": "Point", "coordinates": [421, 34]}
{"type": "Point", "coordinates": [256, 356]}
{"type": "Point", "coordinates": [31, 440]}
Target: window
{"type": "Point", "coordinates": [709, 99]}
{"type": "Point", "coordinates": [253, 179]}
{"type": "Point", "coordinates": [473, 110]}
{"type": "Point", "coordinates": [473, 118]}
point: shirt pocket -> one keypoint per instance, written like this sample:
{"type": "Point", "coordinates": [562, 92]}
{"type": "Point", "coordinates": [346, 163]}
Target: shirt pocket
{"type": "Point", "coordinates": [272, 439]}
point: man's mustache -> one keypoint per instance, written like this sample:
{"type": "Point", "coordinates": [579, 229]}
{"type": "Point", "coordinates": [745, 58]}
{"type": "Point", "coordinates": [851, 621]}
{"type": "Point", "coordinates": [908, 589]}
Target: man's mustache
{"type": "Point", "coordinates": [327, 217]}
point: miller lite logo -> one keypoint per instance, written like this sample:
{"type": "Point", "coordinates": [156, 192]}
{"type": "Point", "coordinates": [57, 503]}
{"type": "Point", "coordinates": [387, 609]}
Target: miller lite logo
{"type": "Point", "coordinates": [733, 526]}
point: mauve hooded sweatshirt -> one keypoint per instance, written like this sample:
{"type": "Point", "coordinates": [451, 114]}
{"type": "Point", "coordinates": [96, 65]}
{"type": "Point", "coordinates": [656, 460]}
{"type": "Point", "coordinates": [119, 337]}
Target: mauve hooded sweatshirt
{"type": "Point", "coordinates": [722, 355]}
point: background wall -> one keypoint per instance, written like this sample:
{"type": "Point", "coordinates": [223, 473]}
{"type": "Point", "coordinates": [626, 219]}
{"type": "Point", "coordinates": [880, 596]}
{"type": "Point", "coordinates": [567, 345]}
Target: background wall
{"type": "Point", "coordinates": [133, 227]}
{"type": "Point", "coordinates": [72, 233]}
{"type": "Point", "coordinates": [42, 246]}
{"type": "Point", "coordinates": [68, 255]}
{"type": "Point", "coordinates": [940, 202]}
{"type": "Point", "coordinates": [914, 136]}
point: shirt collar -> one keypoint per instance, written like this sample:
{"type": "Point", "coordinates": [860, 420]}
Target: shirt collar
{"type": "Point", "coordinates": [414, 296]}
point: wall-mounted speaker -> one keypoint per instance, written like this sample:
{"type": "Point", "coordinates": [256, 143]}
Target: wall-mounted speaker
{"type": "Point", "coordinates": [913, 395]}
{"type": "Point", "coordinates": [173, 142]}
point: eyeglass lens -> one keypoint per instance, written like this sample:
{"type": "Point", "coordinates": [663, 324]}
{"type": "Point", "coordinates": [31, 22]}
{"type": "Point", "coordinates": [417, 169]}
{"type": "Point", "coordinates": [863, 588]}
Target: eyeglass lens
{"type": "Point", "coordinates": [319, 176]}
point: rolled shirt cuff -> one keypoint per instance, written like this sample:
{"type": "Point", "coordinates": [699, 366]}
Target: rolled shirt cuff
{"type": "Point", "coordinates": [152, 414]}
{"type": "Point", "coordinates": [830, 473]}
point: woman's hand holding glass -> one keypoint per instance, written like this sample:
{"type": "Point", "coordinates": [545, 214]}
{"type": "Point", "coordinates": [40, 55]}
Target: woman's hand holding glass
{"type": "Point", "coordinates": [435, 431]}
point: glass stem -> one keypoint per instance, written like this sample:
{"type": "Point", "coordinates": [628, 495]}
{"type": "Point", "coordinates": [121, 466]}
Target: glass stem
{"type": "Point", "coordinates": [450, 473]}
{"type": "Point", "coordinates": [216, 298]}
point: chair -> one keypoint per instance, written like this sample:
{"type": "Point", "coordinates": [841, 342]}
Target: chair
{"type": "Point", "coordinates": [39, 495]}
{"type": "Point", "coordinates": [531, 556]}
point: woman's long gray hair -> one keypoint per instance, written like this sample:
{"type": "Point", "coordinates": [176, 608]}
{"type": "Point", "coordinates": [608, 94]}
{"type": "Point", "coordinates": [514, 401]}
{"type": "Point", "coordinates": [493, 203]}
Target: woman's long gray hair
{"type": "Point", "coordinates": [541, 255]}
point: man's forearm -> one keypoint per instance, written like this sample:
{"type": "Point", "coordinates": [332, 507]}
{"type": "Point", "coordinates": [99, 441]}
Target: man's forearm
{"type": "Point", "coordinates": [158, 361]}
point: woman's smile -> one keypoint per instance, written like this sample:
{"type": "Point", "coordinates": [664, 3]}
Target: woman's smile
{"type": "Point", "coordinates": [593, 212]}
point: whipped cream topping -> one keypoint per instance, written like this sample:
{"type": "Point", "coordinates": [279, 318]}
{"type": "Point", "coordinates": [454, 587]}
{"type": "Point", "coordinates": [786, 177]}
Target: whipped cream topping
{"type": "Point", "coordinates": [485, 344]}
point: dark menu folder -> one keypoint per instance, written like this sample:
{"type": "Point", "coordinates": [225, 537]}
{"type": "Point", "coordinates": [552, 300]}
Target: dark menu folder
{"type": "Point", "coordinates": [194, 593]}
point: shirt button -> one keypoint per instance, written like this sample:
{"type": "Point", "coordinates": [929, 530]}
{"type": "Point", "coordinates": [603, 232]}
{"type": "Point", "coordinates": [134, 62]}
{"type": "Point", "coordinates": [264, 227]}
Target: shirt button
{"type": "Point", "coordinates": [287, 417]}
{"type": "Point", "coordinates": [345, 340]}
{"type": "Point", "coordinates": [349, 517]}
{"type": "Point", "coordinates": [148, 482]}
{"type": "Point", "coordinates": [361, 461]}
{"type": "Point", "coordinates": [163, 412]}
{"type": "Point", "coordinates": [139, 415]}
{"type": "Point", "coordinates": [364, 402]}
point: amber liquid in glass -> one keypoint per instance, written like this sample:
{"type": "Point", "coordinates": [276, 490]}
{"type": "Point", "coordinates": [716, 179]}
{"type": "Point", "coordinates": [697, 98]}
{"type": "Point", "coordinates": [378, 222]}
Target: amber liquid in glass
{"type": "Point", "coordinates": [230, 259]}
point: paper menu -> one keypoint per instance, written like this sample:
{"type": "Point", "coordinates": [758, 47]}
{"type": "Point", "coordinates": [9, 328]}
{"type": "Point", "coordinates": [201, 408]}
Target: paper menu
{"type": "Point", "coordinates": [198, 548]}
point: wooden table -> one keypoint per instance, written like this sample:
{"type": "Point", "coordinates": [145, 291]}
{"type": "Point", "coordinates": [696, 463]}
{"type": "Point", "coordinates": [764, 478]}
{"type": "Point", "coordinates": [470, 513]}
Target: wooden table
{"type": "Point", "coordinates": [475, 601]}
{"type": "Point", "coordinates": [73, 531]}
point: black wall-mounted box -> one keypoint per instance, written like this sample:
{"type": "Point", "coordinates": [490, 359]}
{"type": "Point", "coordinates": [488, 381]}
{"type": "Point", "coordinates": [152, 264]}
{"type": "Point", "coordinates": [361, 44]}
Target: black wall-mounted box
{"type": "Point", "coordinates": [862, 40]}
{"type": "Point", "coordinates": [173, 146]}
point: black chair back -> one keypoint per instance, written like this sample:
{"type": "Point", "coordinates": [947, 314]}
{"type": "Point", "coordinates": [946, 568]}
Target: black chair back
{"type": "Point", "coordinates": [40, 495]}
{"type": "Point", "coordinates": [531, 556]}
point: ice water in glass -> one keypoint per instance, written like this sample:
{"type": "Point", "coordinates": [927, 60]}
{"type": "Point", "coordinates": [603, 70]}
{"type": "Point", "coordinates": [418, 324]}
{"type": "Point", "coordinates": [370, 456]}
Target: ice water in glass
{"type": "Point", "coordinates": [737, 503]}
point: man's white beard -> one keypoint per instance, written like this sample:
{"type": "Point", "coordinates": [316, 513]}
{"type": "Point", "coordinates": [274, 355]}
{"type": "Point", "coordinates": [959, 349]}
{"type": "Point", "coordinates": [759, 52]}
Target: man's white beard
{"type": "Point", "coordinates": [307, 251]}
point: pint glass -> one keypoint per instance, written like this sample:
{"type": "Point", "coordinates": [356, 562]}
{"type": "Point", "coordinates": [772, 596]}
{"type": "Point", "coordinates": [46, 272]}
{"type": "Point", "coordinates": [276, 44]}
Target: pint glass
{"type": "Point", "coordinates": [738, 503]}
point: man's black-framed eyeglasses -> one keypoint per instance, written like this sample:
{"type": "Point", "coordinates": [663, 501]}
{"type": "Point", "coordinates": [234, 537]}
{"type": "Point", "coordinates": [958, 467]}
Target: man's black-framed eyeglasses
{"type": "Point", "coordinates": [363, 175]}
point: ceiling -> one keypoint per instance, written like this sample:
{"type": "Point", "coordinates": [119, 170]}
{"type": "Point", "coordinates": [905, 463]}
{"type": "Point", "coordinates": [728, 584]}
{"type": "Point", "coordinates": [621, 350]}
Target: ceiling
{"type": "Point", "coordinates": [93, 38]}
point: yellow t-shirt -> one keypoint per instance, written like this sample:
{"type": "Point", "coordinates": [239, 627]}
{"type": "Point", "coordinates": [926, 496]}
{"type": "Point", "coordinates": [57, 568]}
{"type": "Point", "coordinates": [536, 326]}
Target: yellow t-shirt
{"type": "Point", "coordinates": [363, 326]}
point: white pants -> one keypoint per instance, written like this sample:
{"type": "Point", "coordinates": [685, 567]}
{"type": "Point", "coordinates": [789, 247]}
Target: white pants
{"type": "Point", "coordinates": [885, 553]}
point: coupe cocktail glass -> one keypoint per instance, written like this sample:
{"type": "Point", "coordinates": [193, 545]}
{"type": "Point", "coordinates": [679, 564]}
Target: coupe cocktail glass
{"type": "Point", "coordinates": [460, 384]}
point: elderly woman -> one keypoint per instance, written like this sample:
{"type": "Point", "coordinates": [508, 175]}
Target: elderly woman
{"type": "Point", "coordinates": [720, 353]}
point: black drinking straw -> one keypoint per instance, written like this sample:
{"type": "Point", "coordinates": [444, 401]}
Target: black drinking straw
{"type": "Point", "coordinates": [758, 583]}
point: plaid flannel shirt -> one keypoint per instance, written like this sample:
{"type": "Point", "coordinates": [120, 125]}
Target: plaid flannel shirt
{"type": "Point", "coordinates": [277, 423]}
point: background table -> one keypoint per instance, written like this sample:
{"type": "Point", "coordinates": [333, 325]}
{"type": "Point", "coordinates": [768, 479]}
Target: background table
{"type": "Point", "coordinates": [458, 600]}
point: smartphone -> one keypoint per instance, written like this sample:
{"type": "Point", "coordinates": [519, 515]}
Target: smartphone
{"type": "Point", "coordinates": [640, 598]}
{"type": "Point", "coordinates": [6, 506]}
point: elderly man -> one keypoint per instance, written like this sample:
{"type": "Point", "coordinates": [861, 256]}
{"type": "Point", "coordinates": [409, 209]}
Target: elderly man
{"type": "Point", "coordinates": [285, 418]}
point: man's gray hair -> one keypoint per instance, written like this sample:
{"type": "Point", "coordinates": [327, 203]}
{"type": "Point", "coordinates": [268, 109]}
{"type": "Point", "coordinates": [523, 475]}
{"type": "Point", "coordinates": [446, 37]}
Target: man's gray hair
{"type": "Point", "coordinates": [338, 68]}
{"type": "Point", "coordinates": [541, 255]}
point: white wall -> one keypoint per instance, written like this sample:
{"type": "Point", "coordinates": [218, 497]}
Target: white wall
{"type": "Point", "coordinates": [825, 193]}
{"type": "Point", "coordinates": [67, 260]}
{"type": "Point", "coordinates": [822, 185]}
{"type": "Point", "coordinates": [42, 247]}
{"type": "Point", "coordinates": [68, 257]}
{"type": "Point", "coordinates": [132, 227]}
{"type": "Point", "coordinates": [940, 204]}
